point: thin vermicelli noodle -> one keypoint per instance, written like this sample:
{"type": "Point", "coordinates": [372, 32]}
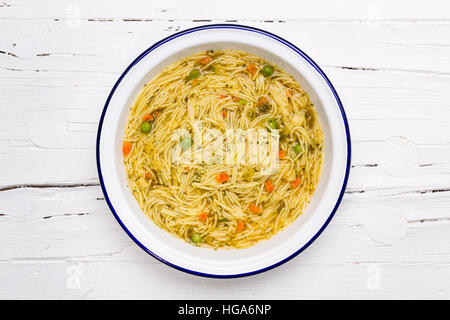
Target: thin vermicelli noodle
{"type": "Point", "coordinates": [215, 203]}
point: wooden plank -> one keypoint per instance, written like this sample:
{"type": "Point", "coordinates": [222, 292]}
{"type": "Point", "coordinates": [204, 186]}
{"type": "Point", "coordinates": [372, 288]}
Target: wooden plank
{"type": "Point", "coordinates": [295, 280]}
{"type": "Point", "coordinates": [52, 46]}
{"type": "Point", "coordinates": [198, 10]}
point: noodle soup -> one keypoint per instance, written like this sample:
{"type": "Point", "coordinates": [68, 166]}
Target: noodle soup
{"type": "Point", "coordinates": [223, 149]}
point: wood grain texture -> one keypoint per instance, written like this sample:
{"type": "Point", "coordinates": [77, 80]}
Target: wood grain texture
{"type": "Point", "coordinates": [390, 63]}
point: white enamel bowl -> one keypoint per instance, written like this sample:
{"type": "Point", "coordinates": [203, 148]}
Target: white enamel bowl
{"type": "Point", "coordinates": [265, 254]}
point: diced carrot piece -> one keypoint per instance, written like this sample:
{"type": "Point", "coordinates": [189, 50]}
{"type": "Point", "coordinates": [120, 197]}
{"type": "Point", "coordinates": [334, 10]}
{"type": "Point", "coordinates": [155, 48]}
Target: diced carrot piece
{"type": "Point", "coordinates": [224, 114]}
{"type": "Point", "coordinates": [222, 177]}
{"type": "Point", "coordinates": [261, 101]}
{"type": "Point", "coordinates": [296, 182]}
{"type": "Point", "coordinates": [251, 67]}
{"type": "Point", "coordinates": [205, 61]}
{"type": "Point", "coordinates": [240, 226]}
{"type": "Point", "coordinates": [126, 148]}
{"type": "Point", "coordinates": [288, 93]}
{"type": "Point", "coordinates": [269, 186]}
{"type": "Point", "coordinates": [225, 177]}
{"type": "Point", "coordinates": [148, 175]}
{"type": "Point", "coordinates": [222, 96]}
{"type": "Point", "coordinates": [235, 99]}
{"type": "Point", "coordinates": [195, 82]}
{"type": "Point", "coordinates": [203, 217]}
{"type": "Point", "coordinates": [255, 209]}
{"type": "Point", "coordinates": [147, 117]}
{"type": "Point", "coordinates": [281, 154]}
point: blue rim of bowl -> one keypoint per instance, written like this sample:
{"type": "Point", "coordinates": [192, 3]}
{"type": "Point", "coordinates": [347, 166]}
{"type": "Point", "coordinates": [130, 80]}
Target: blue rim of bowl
{"type": "Point", "coordinates": [302, 55]}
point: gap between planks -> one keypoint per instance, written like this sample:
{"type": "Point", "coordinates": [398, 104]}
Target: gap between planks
{"type": "Point", "coordinates": [97, 184]}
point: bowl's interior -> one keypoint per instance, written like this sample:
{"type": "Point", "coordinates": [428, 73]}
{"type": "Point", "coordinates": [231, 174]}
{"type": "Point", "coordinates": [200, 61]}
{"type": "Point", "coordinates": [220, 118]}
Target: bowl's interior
{"type": "Point", "coordinates": [264, 253]}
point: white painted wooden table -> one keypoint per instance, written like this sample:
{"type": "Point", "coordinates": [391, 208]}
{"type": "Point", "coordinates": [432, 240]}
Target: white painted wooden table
{"type": "Point", "coordinates": [390, 63]}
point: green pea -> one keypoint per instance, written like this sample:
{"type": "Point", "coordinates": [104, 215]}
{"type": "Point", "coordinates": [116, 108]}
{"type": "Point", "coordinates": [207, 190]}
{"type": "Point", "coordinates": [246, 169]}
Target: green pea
{"type": "Point", "coordinates": [146, 127]}
{"type": "Point", "coordinates": [242, 102]}
{"type": "Point", "coordinates": [267, 70]}
{"type": "Point", "coordinates": [297, 148]}
{"type": "Point", "coordinates": [186, 143]}
{"type": "Point", "coordinates": [273, 124]}
{"type": "Point", "coordinates": [195, 73]}
{"type": "Point", "coordinates": [196, 238]}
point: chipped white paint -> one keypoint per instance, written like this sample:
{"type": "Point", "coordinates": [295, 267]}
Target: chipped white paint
{"type": "Point", "coordinates": [390, 63]}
